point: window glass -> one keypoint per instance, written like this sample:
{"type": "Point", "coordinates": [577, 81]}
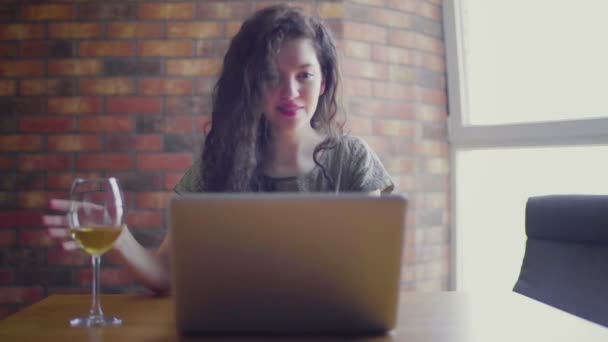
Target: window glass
{"type": "Point", "coordinates": [534, 61]}
{"type": "Point", "coordinates": [492, 186]}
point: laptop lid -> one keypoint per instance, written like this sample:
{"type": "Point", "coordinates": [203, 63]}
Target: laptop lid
{"type": "Point", "coordinates": [286, 263]}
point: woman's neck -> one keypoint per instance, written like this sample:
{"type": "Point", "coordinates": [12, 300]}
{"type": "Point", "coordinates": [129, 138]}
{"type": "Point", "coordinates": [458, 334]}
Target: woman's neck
{"type": "Point", "coordinates": [291, 153]}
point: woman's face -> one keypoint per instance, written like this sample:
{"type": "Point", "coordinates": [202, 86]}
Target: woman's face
{"type": "Point", "coordinates": [292, 90]}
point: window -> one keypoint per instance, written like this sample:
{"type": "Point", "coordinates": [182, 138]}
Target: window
{"type": "Point", "coordinates": [492, 186]}
{"type": "Point", "coordinates": [528, 117]}
{"type": "Point", "coordinates": [544, 60]}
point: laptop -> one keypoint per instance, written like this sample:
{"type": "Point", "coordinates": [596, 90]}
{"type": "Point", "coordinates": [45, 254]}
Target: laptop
{"type": "Point", "coordinates": [286, 263]}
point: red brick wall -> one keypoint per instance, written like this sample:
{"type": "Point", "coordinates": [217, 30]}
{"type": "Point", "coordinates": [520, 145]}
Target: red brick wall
{"type": "Point", "coordinates": [396, 96]}
{"type": "Point", "coordinates": [122, 88]}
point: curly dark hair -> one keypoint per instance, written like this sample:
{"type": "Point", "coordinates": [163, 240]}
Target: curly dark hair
{"type": "Point", "coordinates": [232, 154]}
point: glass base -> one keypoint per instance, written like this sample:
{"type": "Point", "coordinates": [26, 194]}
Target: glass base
{"type": "Point", "coordinates": [95, 321]}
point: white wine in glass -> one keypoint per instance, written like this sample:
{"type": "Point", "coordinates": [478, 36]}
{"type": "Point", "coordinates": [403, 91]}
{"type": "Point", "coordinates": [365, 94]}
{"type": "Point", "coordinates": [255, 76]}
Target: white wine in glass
{"type": "Point", "coordinates": [96, 219]}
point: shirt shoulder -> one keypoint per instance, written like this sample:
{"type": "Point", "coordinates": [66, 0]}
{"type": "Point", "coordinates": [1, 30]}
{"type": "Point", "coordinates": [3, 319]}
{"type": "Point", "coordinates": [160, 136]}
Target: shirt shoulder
{"type": "Point", "coordinates": [191, 181]}
{"type": "Point", "coordinates": [362, 169]}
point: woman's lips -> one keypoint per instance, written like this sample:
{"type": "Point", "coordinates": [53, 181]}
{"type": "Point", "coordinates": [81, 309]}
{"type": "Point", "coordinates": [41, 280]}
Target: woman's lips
{"type": "Point", "coordinates": [288, 110]}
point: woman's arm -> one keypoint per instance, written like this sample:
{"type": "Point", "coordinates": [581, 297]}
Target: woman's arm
{"type": "Point", "coordinates": [150, 268]}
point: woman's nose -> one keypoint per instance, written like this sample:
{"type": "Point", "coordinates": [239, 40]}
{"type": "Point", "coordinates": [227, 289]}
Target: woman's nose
{"type": "Point", "coordinates": [289, 88]}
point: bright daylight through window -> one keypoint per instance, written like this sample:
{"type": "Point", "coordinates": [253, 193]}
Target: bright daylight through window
{"type": "Point", "coordinates": [528, 117]}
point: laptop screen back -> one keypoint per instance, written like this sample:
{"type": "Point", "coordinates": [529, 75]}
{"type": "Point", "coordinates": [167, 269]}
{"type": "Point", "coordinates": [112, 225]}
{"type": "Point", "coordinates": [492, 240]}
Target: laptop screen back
{"type": "Point", "coordinates": [286, 263]}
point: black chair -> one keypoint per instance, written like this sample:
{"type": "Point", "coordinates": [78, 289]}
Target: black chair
{"type": "Point", "coordinates": [566, 259]}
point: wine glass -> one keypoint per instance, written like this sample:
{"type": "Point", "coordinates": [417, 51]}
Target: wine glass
{"type": "Point", "coordinates": [95, 219]}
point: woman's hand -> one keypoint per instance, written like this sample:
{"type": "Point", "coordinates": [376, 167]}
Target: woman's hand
{"type": "Point", "coordinates": [57, 225]}
{"type": "Point", "coordinates": [151, 268]}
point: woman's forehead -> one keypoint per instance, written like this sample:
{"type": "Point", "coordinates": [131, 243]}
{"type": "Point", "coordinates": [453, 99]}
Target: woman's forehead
{"type": "Point", "coordinates": [297, 53]}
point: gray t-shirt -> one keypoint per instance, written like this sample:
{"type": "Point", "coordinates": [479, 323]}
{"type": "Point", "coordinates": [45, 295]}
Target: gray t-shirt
{"type": "Point", "coordinates": [352, 164]}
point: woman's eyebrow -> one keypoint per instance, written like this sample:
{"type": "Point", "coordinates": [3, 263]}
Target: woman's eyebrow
{"type": "Point", "coordinates": [305, 65]}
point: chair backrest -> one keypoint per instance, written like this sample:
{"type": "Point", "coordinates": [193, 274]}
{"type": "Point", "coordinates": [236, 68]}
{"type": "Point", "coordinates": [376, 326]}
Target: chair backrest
{"type": "Point", "coordinates": [566, 259]}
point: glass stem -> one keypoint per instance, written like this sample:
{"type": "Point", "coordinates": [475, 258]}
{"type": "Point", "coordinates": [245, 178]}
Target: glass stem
{"type": "Point", "coordinates": [96, 304]}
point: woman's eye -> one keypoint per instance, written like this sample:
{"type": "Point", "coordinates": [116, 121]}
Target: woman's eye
{"type": "Point", "coordinates": [305, 76]}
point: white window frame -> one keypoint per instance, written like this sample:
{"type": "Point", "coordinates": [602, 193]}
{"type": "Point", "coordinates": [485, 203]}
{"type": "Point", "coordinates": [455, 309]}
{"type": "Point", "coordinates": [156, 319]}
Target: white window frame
{"type": "Point", "coordinates": [463, 136]}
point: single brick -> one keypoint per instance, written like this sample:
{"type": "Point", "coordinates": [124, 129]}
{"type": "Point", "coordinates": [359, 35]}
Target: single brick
{"type": "Point", "coordinates": [161, 86]}
{"type": "Point", "coordinates": [139, 67]}
{"type": "Point", "coordinates": [392, 91]}
{"type": "Point", "coordinates": [8, 49]}
{"type": "Point", "coordinates": [358, 87]}
{"type": "Point", "coordinates": [195, 30]}
{"type": "Point", "coordinates": [134, 104]}
{"type": "Point", "coordinates": [106, 49]}
{"type": "Point", "coordinates": [364, 69]}
{"type": "Point", "coordinates": [75, 67]}
{"type": "Point", "coordinates": [18, 106]}
{"type": "Point", "coordinates": [7, 163]}
{"type": "Point", "coordinates": [175, 124]}
{"type": "Point", "coordinates": [365, 32]}
{"type": "Point", "coordinates": [126, 143]}
{"type": "Point", "coordinates": [106, 11]}
{"type": "Point", "coordinates": [106, 86]}
{"type": "Point", "coordinates": [74, 105]}
{"type": "Point", "coordinates": [42, 162]}
{"type": "Point", "coordinates": [22, 31]}
{"type": "Point", "coordinates": [106, 124]}
{"type": "Point", "coordinates": [47, 12]}
{"type": "Point", "coordinates": [8, 87]}
{"type": "Point", "coordinates": [224, 10]}
{"type": "Point", "coordinates": [75, 30]}
{"type": "Point", "coordinates": [8, 12]}
{"type": "Point", "coordinates": [180, 105]}
{"type": "Point", "coordinates": [74, 143]}
{"type": "Point", "coordinates": [47, 87]}
{"type": "Point", "coordinates": [105, 161]}
{"type": "Point", "coordinates": [166, 162]}
{"type": "Point", "coordinates": [37, 199]}
{"type": "Point", "coordinates": [331, 10]}
{"type": "Point", "coordinates": [20, 143]}
{"type": "Point", "coordinates": [164, 48]}
{"type": "Point", "coordinates": [356, 49]}
{"type": "Point", "coordinates": [390, 54]}
{"type": "Point", "coordinates": [21, 68]}
{"type": "Point", "coordinates": [134, 30]}
{"type": "Point", "coordinates": [47, 49]}
{"type": "Point", "coordinates": [46, 124]}
{"type": "Point", "coordinates": [193, 67]}
{"type": "Point", "coordinates": [164, 11]}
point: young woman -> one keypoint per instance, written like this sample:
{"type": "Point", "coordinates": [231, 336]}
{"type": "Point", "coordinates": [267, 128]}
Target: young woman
{"type": "Point", "coordinates": [274, 128]}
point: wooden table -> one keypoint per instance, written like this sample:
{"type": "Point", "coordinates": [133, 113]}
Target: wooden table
{"type": "Point", "coordinates": [427, 316]}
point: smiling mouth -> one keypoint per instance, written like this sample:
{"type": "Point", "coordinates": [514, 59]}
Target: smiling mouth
{"type": "Point", "coordinates": [288, 111]}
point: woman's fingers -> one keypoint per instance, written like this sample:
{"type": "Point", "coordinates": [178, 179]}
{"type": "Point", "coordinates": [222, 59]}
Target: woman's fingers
{"type": "Point", "coordinates": [65, 205]}
{"type": "Point", "coordinates": [63, 234]}
{"type": "Point", "coordinates": [59, 204]}
{"type": "Point", "coordinates": [58, 233]}
{"type": "Point", "coordinates": [69, 245]}
{"type": "Point", "coordinates": [55, 220]}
